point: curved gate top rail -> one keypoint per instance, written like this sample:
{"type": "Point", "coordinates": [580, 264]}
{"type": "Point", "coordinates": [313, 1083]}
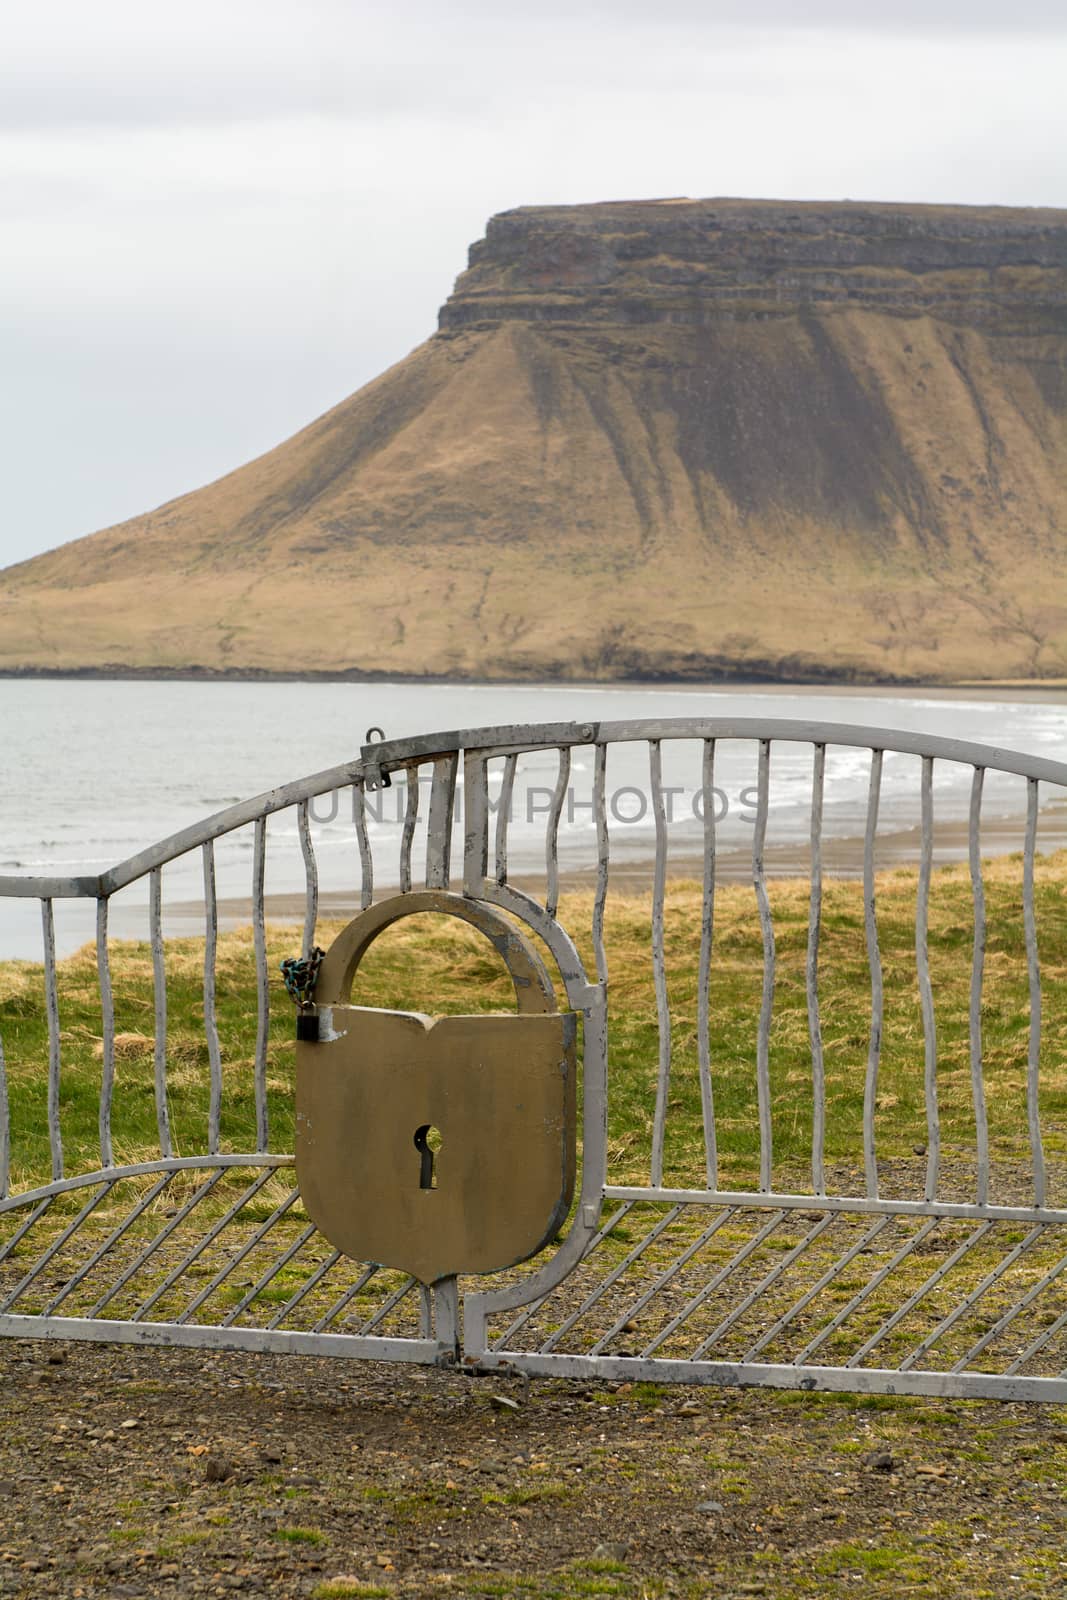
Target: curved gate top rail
{"type": "Point", "coordinates": [936, 1273]}
{"type": "Point", "coordinates": [379, 759]}
{"type": "Point", "coordinates": [390, 755]}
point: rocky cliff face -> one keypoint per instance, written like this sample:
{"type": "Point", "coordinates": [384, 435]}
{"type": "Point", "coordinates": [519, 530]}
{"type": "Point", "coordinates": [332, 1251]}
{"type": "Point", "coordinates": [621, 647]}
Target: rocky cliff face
{"type": "Point", "coordinates": [693, 263]}
{"type": "Point", "coordinates": [666, 439]}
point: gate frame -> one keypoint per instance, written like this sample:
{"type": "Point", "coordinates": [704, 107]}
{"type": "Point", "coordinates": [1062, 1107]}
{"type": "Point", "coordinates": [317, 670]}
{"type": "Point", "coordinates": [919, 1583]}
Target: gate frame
{"type": "Point", "coordinates": [440, 1338]}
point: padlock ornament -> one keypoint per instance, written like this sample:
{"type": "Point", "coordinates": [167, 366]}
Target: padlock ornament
{"type": "Point", "coordinates": [500, 1090]}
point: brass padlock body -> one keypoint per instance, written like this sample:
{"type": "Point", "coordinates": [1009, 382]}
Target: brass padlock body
{"type": "Point", "coordinates": [500, 1089]}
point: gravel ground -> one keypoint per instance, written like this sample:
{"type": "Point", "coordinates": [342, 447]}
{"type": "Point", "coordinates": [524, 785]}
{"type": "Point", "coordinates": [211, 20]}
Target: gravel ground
{"type": "Point", "coordinates": [137, 1473]}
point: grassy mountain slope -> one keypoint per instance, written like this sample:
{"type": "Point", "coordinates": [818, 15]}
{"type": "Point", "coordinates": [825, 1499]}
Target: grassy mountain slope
{"type": "Point", "coordinates": [713, 456]}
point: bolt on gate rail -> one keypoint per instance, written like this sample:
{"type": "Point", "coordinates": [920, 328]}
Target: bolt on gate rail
{"type": "Point", "coordinates": [777, 1218]}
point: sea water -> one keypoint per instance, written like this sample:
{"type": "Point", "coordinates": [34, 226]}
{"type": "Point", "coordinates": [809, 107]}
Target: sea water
{"type": "Point", "coordinates": [96, 770]}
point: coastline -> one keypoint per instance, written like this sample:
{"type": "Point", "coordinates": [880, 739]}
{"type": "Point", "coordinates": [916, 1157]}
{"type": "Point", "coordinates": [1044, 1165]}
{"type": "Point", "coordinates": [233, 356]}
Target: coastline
{"type": "Point", "coordinates": [743, 680]}
{"type": "Point", "coordinates": [100, 771]}
{"type": "Point", "coordinates": [632, 878]}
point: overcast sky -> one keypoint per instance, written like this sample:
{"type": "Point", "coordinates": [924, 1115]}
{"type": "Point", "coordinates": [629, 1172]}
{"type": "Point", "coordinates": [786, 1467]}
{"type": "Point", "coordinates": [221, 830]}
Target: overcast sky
{"type": "Point", "coordinates": [220, 218]}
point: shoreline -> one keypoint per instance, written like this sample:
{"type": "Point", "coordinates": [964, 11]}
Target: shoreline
{"type": "Point", "coordinates": [841, 858]}
{"type": "Point", "coordinates": [630, 877]}
{"type": "Point", "coordinates": [742, 680]}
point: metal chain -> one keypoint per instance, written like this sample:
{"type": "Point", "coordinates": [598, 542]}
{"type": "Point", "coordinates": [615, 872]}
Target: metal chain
{"type": "Point", "coordinates": [301, 976]}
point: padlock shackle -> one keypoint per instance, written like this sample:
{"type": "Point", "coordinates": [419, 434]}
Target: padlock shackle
{"type": "Point", "coordinates": [534, 991]}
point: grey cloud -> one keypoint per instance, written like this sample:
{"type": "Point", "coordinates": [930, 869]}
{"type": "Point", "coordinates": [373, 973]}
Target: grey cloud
{"type": "Point", "coordinates": [860, 16]}
{"type": "Point", "coordinates": [119, 65]}
{"type": "Point", "coordinates": [221, 218]}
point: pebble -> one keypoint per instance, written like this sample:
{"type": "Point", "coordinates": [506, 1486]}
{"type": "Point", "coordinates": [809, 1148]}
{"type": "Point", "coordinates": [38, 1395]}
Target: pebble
{"type": "Point", "coordinates": [711, 1508]}
{"type": "Point", "coordinates": [611, 1550]}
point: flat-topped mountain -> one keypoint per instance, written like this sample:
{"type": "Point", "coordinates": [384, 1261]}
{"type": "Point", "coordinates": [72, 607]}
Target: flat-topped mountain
{"type": "Point", "coordinates": [689, 262]}
{"type": "Point", "coordinates": [665, 438]}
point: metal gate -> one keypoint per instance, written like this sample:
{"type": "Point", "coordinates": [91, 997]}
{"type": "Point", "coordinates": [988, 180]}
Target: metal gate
{"type": "Point", "coordinates": [796, 1205]}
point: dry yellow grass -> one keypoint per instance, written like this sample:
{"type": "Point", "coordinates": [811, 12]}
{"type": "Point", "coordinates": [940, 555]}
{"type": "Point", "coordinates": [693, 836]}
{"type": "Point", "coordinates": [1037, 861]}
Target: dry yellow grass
{"type": "Point", "coordinates": [435, 966]}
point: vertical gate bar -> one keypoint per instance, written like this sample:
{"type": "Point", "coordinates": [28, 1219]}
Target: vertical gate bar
{"type": "Point", "coordinates": [1035, 1291]}
{"type": "Point", "coordinates": [159, 989]}
{"type": "Point", "coordinates": [707, 935]}
{"type": "Point", "coordinates": [55, 1138]}
{"type": "Point", "coordinates": [475, 822]}
{"type": "Point", "coordinates": [425, 1312]}
{"type": "Point", "coordinates": [407, 834]}
{"type": "Point", "coordinates": [811, 975]}
{"type": "Point", "coordinates": [503, 818]}
{"type": "Point", "coordinates": [603, 853]}
{"type": "Point", "coordinates": [107, 1023]}
{"type": "Point", "coordinates": [5, 1127]}
{"type": "Point", "coordinates": [439, 822]}
{"type": "Point", "coordinates": [920, 1293]}
{"type": "Point", "coordinates": [366, 858]}
{"type": "Point", "coordinates": [815, 1289]}
{"type": "Point", "coordinates": [211, 1027]}
{"type": "Point", "coordinates": [874, 1282]}
{"type": "Point", "coordinates": [874, 962]}
{"type": "Point", "coordinates": [446, 1328]}
{"type": "Point", "coordinates": [926, 993]}
{"type": "Point", "coordinates": [981, 1122]}
{"type": "Point", "coordinates": [1033, 1109]}
{"type": "Point", "coordinates": [659, 963]}
{"type": "Point", "coordinates": [259, 933]}
{"type": "Point", "coordinates": [949, 1321]}
{"type": "Point", "coordinates": [763, 1037]}
{"type": "Point", "coordinates": [311, 876]}
{"type": "Point", "coordinates": [559, 794]}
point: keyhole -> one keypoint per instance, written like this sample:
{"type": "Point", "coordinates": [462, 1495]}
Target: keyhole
{"type": "Point", "coordinates": [428, 1142]}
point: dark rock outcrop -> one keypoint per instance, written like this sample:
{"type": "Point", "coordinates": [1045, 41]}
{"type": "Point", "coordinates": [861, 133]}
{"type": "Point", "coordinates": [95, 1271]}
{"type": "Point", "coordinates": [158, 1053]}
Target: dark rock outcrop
{"type": "Point", "coordinates": [694, 262]}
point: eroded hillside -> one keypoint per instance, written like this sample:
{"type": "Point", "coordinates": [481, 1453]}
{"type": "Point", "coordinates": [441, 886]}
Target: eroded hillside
{"type": "Point", "coordinates": [660, 439]}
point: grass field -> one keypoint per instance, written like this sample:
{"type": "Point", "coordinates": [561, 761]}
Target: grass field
{"type": "Point", "coordinates": [436, 966]}
{"type": "Point", "coordinates": [324, 1479]}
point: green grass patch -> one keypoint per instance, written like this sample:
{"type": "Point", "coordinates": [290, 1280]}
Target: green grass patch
{"type": "Point", "coordinates": [439, 966]}
{"type": "Point", "coordinates": [887, 1558]}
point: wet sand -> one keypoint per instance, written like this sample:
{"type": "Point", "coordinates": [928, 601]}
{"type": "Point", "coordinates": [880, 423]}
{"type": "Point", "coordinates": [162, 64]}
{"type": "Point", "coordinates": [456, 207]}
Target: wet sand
{"type": "Point", "coordinates": [841, 858]}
